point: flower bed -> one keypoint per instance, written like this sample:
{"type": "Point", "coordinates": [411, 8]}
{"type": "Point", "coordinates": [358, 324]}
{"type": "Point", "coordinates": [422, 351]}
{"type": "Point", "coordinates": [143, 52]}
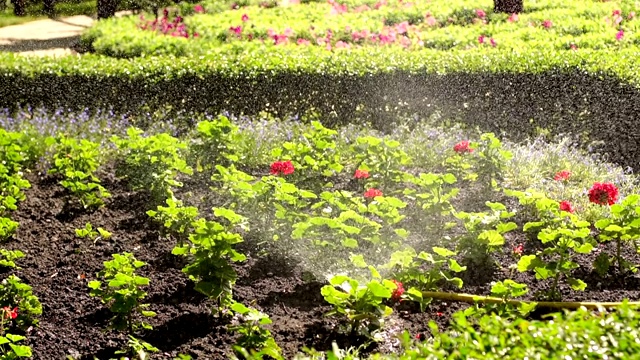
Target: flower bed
{"type": "Point", "coordinates": [249, 232]}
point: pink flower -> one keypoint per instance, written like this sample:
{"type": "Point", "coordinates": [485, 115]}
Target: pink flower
{"type": "Point", "coordinates": [303, 42]}
{"type": "Point", "coordinates": [361, 174]}
{"type": "Point", "coordinates": [402, 27]}
{"type": "Point", "coordinates": [493, 42]}
{"type": "Point", "coordinates": [631, 15]}
{"type": "Point", "coordinates": [566, 206]}
{"type": "Point", "coordinates": [620, 35]}
{"type": "Point", "coordinates": [236, 30]}
{"type": "Point", "coordinates": [342, 45]}
{"type": "Point", "coordinates": [288, 32]}
{"type": "Point", "coordinates": [616, 12]}
{"type": "Point", "coordinates": [280, 39]}
{"type": "Point", "coordinates": [481, 39]}
{"type": "Point", "coordinates": [480, 13]}
{"type": "Point", "coordinates": [245, 18]}
{"type": "Point", "coordinates": [372, 193]}
{"type": "Point", "coordinates": [573, 47]}
{"type": "Point", "coordinates": [430, 20]}
{"type": "Point", "coordinates": [462, 147]}
{"type": "Point", "coordinates": [513, 18]}
{"type": "Point", "coordinates": [547, 24]}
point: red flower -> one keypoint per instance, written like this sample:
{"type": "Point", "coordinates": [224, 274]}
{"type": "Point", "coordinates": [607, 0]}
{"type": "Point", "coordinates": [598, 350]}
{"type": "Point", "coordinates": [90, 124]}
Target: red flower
{"type": "Point", "coordinates": [439, 314]}
{"type": "Point", "coordinates": [361, 174]}
{"type": "Point", "coordinates": [397, 293]}
{"type": "Point", "coordinates": [462, 147]}
{"type": "Point", "coordinates": [547, 24]}
{"type": "Point", "coordinates": [518, 250]}
{"type": "Point", "coordinates": [513, 18]}
{"type": "Point", "coordinates": [481, 39]}
{"type": "Point", "coordinates": [282, 167]}
{"type": "Point", "coordinates": [198, 8]}
{"type": "Point", "coordinates": [563, 175]}
{"type": "Point", "coordinates": [10, 314]}
{"type": "Point", "coordinates": [493, 42]}
{"type": "Point", "coordinates": [603, 194]}
{"type": "Point", "coordinates": [566, 206]}
{"type": "Point", "coordinates": [480, 13]}
{"type": "Point", "coordinates": [372, 193]}
{"type": "Point", "coordinates": [245, 17]}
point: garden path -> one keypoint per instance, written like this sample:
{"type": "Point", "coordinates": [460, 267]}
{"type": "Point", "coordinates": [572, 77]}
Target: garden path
{"type": "Point", "coordinates": [48, 37]}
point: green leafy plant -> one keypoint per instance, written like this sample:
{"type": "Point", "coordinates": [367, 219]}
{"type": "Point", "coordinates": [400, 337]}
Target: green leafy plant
{"type": "Point", "coordinates": [138, 348]}
{"type": "Point", "coordinates": [255, 340]}
{"type": "Point", "coordinates": [484, 231]}
{"type": "Point", "coordinates": [15, 293]}
{"type": "Point", "coordinates": [215, 143]}
{"type": "Point", "coordinates": [425, 271]}
{"type": "Point", "coordinates": [361, 304]}
{"type": "Point", "coordinates": [121, 290]}
{"type": "Point", "coordinates": [567, 236]}
{"type": "Point", "coordinates": [316, 154]}
{"type": "Point", "coordinates": [506, 290]}
{"type": "Point", "coordinates": [384, 158]}
{"type": "Point", "coordinates": [623, 225]}
{"type": "Point", "coordinates": [89, 232]}
{"type": "Point", "coordinates": [10, 349]}
{"type": "Point", "coordinates": [77, 161]}
{"type": "Point", "coordinates": [211, 247]}
{"type": "Point", "coordinates": [8, 227]}
{"type": "Point", "coordinates": [491, 159]}
{"type": "Point", "coordinates": [152, 162]}
{"type": "Point", "coordinates": [177, 219]}
{"type": "Point", "coordinates": [8, 257]}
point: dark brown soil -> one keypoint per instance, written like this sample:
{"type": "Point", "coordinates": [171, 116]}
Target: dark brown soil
{"type": "Point", "coordinates": [58, 266]}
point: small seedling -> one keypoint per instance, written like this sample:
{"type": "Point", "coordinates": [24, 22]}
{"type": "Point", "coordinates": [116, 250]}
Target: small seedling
{"type": "Point", "coordinates": [120, 288]}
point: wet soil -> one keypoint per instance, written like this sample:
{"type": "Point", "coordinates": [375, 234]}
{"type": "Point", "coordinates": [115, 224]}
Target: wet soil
{"type": "Point", "coordinates": [58, 266]}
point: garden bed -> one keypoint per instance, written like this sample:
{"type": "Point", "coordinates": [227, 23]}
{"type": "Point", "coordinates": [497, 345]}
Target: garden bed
{"type": "Point", "coordinates": [285, 277]}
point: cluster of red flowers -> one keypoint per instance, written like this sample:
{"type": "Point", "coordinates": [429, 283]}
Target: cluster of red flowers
{"type": "Point", "coordinates": [282, 168]}
{"type": "Point", "coordinates": [462, 147]}
{"type": "Point", "coordinates": [603, 194]}
{"type": "Point", "coordinates": [372, 193]}
{"type": "Point", "coordinates": [397, 293]}
{"type": "Point", "coordinates": [175, 27]}
{"type": "Point", "coordinates": [566, 206]}
{"type": "Point", "coordinates": [563, 175]}
{"type": "Point", "coordinates": [8, 313]}
{"type": "Point", "coordinates": [361, 174]}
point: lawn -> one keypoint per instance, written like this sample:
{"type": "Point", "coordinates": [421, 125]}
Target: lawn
{"type": "Point", "coordinates": [382, 180]}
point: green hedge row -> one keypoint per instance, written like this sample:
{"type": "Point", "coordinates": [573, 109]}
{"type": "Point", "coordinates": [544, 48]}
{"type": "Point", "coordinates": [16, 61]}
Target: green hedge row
{"type": "Point", "coordinates": [594, 93]}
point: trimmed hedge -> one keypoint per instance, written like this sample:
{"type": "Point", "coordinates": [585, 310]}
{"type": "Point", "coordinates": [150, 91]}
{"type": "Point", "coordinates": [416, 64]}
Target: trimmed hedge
{"type": "Point", "coordinates": [594, 93]}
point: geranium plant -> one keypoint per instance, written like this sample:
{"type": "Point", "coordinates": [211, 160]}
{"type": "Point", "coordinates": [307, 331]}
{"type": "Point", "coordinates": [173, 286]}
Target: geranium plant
{"type": "Point", "coordinates": [362, 304]}
{"type": "Point", "coordinates": [121, 290]}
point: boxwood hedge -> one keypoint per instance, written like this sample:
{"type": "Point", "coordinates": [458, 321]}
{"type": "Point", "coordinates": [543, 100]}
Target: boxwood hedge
{"type": "Point", "coordinates": [594, 93]}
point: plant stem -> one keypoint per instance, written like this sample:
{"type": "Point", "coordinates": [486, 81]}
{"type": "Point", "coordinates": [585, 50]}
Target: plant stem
{"type": "Point", "coordinates": [619, 247]}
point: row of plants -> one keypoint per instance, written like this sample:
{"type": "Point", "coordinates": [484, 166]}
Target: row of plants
{"type": "Point", "coordinates": [401, 226]}
{"type": "Point", "coordinates": [334, 25]}
{"type": "Point", "coordinates": [303, 218]}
